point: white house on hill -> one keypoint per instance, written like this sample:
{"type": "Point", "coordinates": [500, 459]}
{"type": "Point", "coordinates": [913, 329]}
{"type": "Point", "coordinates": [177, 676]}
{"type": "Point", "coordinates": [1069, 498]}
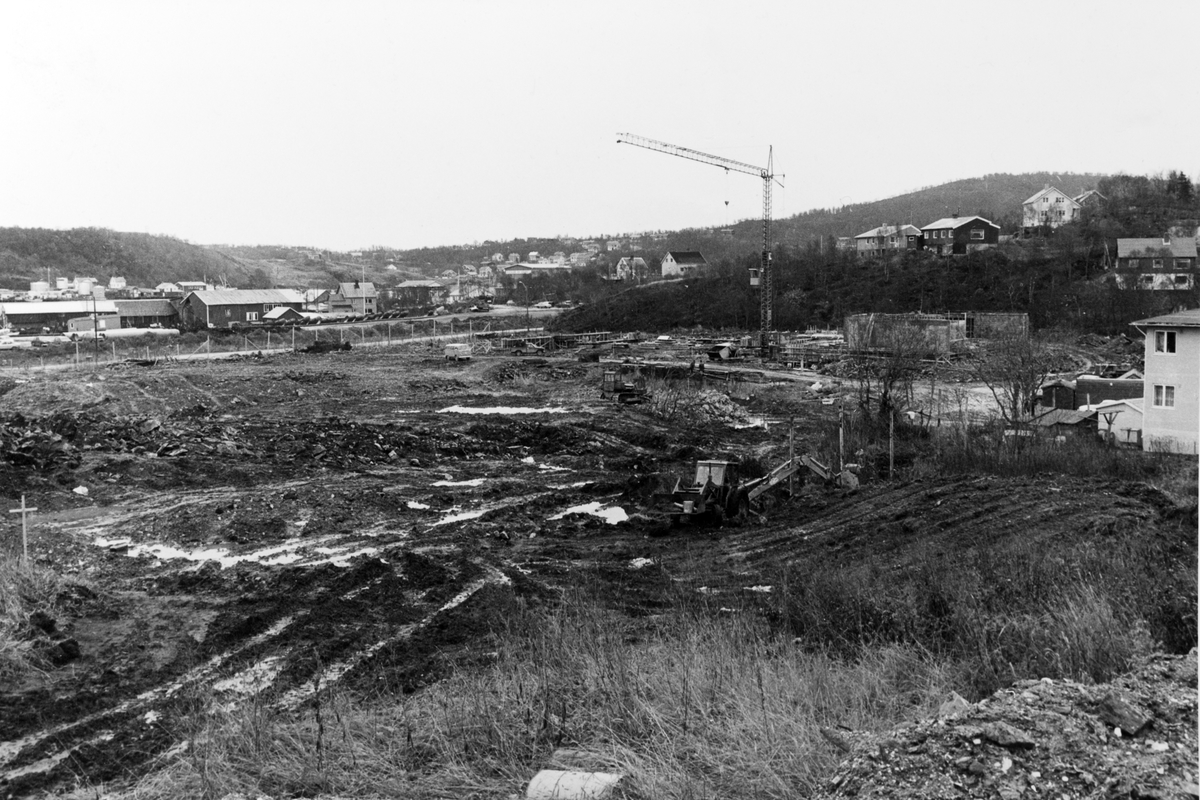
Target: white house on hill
{"type": "Point", "coordinates": [677, 263]}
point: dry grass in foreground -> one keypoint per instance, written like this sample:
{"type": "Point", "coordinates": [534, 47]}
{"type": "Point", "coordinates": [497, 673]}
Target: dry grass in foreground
{"type": "Point", "coordinates": [697, 706]}
{"type": "Point", "coordinates": [23, 591]}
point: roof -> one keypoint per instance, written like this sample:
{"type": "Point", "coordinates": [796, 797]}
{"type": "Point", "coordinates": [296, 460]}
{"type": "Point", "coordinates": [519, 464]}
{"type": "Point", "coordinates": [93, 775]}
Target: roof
{"type": "Point", "coordinates": [245, 297]}
{"type": "Point", "coordinates": [418, 284]}
{"type": "Point", "coordinates": [687, 256]}
{"type": "Point", "coordinates": [1180, 319]}
{"type": "Point", "coordinates": [280, 311]}
{"type": "Point", "coordinates": [1088, 195]}
{"type": "Point", "coordinates": [1106, 405]}
{"type": "Point", "coordinates": [59, 307]}
{"type": "Point", "coordinates": [145, 308]}
{"type": "Point", "coordinates": [1175, 248]}
{"type": "Point", "coordinates": [955, 222]}
{"type": "Point", "coordinates": [888, 230]}
{"type": "Point", "coordinates": [1046, 191]}
{"type": "Point", "coordinates": [357, 289]}
{"type": "Point", "coordinates": [1062, 416]}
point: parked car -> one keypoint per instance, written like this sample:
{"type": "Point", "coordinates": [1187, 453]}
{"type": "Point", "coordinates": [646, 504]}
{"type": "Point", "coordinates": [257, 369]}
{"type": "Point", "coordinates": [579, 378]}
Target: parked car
{"type": "Point", "coordinates": [544, 304]}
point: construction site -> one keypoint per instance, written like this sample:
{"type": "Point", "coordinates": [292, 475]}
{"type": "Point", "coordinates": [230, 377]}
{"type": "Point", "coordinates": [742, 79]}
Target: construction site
{"type": "Point", "coordinates": [262, 534]}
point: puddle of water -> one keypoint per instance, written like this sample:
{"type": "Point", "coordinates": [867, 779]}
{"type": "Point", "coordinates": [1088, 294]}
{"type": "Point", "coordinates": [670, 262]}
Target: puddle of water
{"type": "Point", "coordinates": [462, 516]}
{"type": "Point", "coordinates": [571, 485]}
{"type": "Point", "coordinates": [280, 555]}
{"type": "Point", "coordinates": [502, 410]}
{"type": "Point", "coordinates": [413, 504]}
{"type": "Point", "coordinates": [472, 482]}
{"type": "Point", "coordinates": [760, 589]}
{"type": "Point", "coordinates": [638, 563]}
{"type": "Point", "coordinates": [611, 514]}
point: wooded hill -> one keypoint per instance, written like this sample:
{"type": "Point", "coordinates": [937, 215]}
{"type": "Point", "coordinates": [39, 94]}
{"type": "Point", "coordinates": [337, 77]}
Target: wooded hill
{"type": "Point", "coordinates": [997, 197]}
{"type": "Point", "coordinates": [146, 260]}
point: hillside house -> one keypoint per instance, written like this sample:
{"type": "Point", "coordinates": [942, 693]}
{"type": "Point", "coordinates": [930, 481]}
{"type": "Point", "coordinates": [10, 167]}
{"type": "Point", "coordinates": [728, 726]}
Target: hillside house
{"type": "Point", "coordinates": [228, 308]}
{"type": "Point", "coordinates": [1049, 208]}
{"type": "Point", "coordinates": [678, 263]}
{"type": "Point", "coordinates": [581, 258]}
{"type": "Point", "coordinates": [887, 239]}
{"type": "Point", "coordinates": [1166, 263]}
{"type": "Point", "coordinates": [630, 268]}
{"type": "Point", "coordinates": [354, 298]}
{"type": "Point", "coordinates": [1171, 403]}
{"type": "Point", "coordinates": [957, 235]}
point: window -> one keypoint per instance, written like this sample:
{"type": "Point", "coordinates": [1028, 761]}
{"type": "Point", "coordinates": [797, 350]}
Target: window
{"type": "Point", "coordinates": [1183, 263]}
{"type": "Point", "coordinates": [1164, 341]}
{"type": "Point", "coordinates": [1133, 263]}
{"type": "Point", "coordinates": [1183, 281]}
{"type": "Point", "coordinates": [1164, 396]}
{"type": "Point", "coordinates": [1058, 200]}
{"type": "Point", "coordinates": [1157, 263]}
{"type": "Point", "coordinates": [978, 234]}
{"type": "Point", "coordinates": [251, 316]}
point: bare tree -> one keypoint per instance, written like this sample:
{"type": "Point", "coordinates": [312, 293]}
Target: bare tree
{"type": "Point", "coordinates": [887, 372]}
{"type": "Point", "coordinates": [1014, 368]}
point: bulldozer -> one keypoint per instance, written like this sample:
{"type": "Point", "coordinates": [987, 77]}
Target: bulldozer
{"type": "Point", "coordinates": [621, 389]}
{"type": "Point", "coordinates": [719, 492]}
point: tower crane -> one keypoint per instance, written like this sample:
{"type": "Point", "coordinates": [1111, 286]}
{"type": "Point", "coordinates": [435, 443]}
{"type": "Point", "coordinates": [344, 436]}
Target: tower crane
{"type": "Point", "coordinates": [765, 278]}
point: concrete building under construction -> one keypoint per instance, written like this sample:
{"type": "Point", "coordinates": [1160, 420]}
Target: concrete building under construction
{"type": "Point", "coordinates": [938, 332]}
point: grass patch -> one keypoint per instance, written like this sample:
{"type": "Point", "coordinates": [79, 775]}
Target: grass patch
{"type": "Point", "coordinates": [23, 592]}
{"type": "Point", "coordinates": [698, 704]}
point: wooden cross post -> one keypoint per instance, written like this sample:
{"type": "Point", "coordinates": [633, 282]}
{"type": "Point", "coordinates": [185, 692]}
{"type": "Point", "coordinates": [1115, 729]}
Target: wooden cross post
{"type": "Point", "coordinates": [24, 512]}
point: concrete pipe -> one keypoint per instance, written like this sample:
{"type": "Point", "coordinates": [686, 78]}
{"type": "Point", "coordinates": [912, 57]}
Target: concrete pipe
{"type": "Point", "coordinates": [558, 784]}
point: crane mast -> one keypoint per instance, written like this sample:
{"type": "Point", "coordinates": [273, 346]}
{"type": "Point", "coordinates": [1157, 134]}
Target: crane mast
{"type": "Point", "coordinates": [766, 276]}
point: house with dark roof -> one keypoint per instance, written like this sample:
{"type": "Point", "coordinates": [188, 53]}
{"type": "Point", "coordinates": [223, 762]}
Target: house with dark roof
{"type": "Point", "coordinates": [1171, 403]}
{"type": "Point", "coordinates": [1166, 263]}
{"type": "Point", "coordinates": [354, 298]}
{"type": "Point", "coordinates": [678, 263]}
{"type": "Point", "coordinates": [957, 235]}
{"type": "Point", "coordinates": [229, 308]}
{"type": "Point", "coordinates": [887, 239]}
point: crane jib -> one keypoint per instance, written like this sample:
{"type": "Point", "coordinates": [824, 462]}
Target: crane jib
{"type": "Point", "coordinates": [766, 279]}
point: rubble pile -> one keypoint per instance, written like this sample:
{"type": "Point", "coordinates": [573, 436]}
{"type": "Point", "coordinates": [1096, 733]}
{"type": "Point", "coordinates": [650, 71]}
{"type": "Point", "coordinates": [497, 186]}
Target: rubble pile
{"type": "Point", "coordinates": [31, 445]}
{"type": "Point", "coordinates": [538, 369]}
{"type": "Point", "coordinates": [1133, 737]}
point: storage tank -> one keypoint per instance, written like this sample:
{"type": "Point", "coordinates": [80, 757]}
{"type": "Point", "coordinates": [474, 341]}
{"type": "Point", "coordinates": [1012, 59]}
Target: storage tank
{"type": "Point", "coordinates": [61, 283]}
{"type": "Point", "coordinates": [83, 287]}
{"type": "Point", "coordinates": [39, 287]}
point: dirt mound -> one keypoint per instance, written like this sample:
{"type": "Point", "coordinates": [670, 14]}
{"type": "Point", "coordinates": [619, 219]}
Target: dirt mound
{"type": "Point", "coordinates": [1134, 737]}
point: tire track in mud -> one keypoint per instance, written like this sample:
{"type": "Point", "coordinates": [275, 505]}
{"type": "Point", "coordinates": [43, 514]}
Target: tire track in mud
{"type": "Point", "coordinates": [40, 759]}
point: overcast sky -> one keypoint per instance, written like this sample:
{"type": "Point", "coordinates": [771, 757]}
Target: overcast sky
{"type": "Point", "coordinates": [348, 124]}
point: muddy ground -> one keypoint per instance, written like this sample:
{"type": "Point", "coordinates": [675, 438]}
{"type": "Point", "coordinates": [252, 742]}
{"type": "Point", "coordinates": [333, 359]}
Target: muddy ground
{"type": "Point", "coordinates": [270, 526]}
